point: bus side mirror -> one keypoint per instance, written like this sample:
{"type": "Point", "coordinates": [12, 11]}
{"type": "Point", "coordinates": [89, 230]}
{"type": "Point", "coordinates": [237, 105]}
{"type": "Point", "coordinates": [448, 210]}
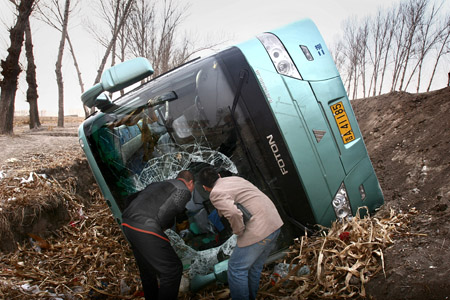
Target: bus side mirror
{"type": "Point", "coordinates": [117, 78]}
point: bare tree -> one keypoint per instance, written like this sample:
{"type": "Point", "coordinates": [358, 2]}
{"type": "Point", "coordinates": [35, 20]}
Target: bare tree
{"type": "Point", "coordinates": [11, 69]}
{"type": "Point", "coordinates": [122, 43]}
{"type": "Point", "coordinates": [146, 29]}
{"type": "Point", "coordinates": [140, 27]}
{"type": "Point", "coordinates": [162, 36]}
{"type": "Point", "coordinates": [337, 53]}
{"type": "Point", "coordinates": [426, 39]}
{"type": "Point", "coordinates": [120, 12]}
{"type": "Point", "coordinates": [380, 38]}
{"type": "Point", "coordinates": [352, 52]}
{"type": "Point", "coordinates": [362, 47]}
{"type": "Point", "coordinates": [443, 49]}
{"type": "Point", "coordinates": [77, 68]}
{"type": "Point", "coordinates": [154, 32]}
{"type": "Point", "coordinates": [172, 17]}
{"type": "Point", "coordinates": [58, 65]}
{"type": "Point", "coordinates": [396, 42]}
{"type": "Point", "coordinates": [414, 14]}
{"type": "Point", "coordinates": [52, 15]}
{"type": "Point", "coordinates": [32, 94]}
{"type": "Point", "coordinates": [56, 14]}
{"type": "Point", "coordinates": [398, 39]}
{"type": "Point", "coordinates": [390, 23]}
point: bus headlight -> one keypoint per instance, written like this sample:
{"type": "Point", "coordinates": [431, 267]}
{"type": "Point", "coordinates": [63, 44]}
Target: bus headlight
{"type": "Point", "coordinates": [279, 56]}
{"type": "Point", "coordinates": [341, 204]}
{"type": "Point", "coordinates": [81, 143]}
{"type": "Point", "coordinates": [362, 192]}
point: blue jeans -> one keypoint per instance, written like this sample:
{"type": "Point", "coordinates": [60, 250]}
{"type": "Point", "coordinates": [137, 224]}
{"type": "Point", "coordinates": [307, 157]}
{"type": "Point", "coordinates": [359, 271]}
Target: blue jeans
{"type": "Point", "coordinates": [245, 266]}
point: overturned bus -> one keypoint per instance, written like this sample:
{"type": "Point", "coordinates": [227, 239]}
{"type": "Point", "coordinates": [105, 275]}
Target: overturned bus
{"type": "Point", "coordinates": [272, 110]}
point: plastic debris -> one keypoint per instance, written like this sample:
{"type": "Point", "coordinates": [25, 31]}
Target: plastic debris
{"type": "Point", "coordinates": [29, 288]}
{"type": "Point", "coordinates": [30, 178]}
{"type": "Point", "coordinates": [124, 288]}
{"type": "Point", "coordinates": [81, 214]}
{"type": "Point", "coordinates": [35, 246]}
{"type": "Point", "coordinates": [184, 284]}
{"type": "Point", "coordinates": [281, 270]}
{"type": "Point", "coordinates": [38, 242]}
{"type": "Point", "coordinates": [344, 236]}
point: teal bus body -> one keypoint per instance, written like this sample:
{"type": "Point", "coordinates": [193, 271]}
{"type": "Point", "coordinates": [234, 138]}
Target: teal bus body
{"type": "Point", "coordinates": [300, 107]}
{"type": "Point", "coordinates": [272, 110]}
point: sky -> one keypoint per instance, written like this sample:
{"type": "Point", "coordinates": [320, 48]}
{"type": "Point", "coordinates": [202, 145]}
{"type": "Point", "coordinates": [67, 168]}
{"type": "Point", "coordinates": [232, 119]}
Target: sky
{"type": "Point", "coordinates": [233, 20]}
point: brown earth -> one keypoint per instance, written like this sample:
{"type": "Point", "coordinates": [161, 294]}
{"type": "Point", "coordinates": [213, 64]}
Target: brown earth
{"type": "Point", "coordinates": [407, 138]}
{"type": "Point", "coordinates": [49, 150]}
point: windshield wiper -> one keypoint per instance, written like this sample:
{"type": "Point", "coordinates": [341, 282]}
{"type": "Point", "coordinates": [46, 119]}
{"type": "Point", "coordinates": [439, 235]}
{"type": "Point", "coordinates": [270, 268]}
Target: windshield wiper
{"type": "Point", "coordinates": [160, 99]}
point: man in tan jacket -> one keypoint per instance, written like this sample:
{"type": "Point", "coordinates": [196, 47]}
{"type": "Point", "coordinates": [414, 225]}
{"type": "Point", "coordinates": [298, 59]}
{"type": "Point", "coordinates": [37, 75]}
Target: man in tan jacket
{"type": "Point", "coordinates": [255, 239]}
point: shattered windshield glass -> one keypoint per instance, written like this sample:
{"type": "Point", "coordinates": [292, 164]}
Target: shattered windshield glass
{"type": "Point", "coordinates": [181, 120]}
{"type": "Point", "coordinates": [175, 122]}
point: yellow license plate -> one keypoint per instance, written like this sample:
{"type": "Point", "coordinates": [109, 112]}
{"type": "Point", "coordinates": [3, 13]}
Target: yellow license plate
{"type": "Point", "coordinates": [345, 129]}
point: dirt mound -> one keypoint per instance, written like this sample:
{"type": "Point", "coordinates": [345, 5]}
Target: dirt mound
{"type": "Point", "coordinates": [40, 171]}
{"type": "Point", "coordinates": [408, 140]}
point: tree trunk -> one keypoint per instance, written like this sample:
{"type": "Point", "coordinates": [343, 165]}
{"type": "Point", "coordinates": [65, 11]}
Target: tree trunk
{"type": "Point", "coordinates": [112, 42]}
{"type": "Point", "coordinates": [441, 51]}
{"type": "Point", "coordinates": [58, 70]}
{"type": "Point", "coordinates": [391, 24]}
{"type": "Point", "coordinates": [113, 49]}
{"type": "Point", "coordinates": [77, 67]}
{"type": "Point", "coordinates": [126, 12]}
{"type": "Point", "coordinates": [11, 68]}
{"type": "Point", "coordinates": [32, 94]}
{"type": "Point", "coordinates": [438, 57]}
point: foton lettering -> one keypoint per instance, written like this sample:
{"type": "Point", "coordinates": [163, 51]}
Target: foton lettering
{"type": "Point", "coordinates": [277, 155]}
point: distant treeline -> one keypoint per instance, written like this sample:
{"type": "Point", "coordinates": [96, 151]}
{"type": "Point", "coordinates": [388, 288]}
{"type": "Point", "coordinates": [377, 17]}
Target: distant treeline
{"type": "Point", "coordinates": [399, 48]}
{"type": "Point", "coordinates": [44, 113]}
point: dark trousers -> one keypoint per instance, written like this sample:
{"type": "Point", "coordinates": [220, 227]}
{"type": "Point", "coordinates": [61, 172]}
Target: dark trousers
{"type": "Point", "coordinates": [156, 258]}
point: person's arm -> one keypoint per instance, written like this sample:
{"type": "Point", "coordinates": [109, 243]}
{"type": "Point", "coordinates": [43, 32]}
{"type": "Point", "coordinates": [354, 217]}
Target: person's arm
{"type": "Point", "coordinates": [174, 205]}
{"type": "Point", "coordinates": [225, 206]}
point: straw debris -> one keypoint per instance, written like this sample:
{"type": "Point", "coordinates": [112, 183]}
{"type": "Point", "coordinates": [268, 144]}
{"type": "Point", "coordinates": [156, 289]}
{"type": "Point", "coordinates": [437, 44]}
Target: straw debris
{"type": "Point", "coordinates": [88, 256]}
{"type": "Point", "coordinates": [342, 259]}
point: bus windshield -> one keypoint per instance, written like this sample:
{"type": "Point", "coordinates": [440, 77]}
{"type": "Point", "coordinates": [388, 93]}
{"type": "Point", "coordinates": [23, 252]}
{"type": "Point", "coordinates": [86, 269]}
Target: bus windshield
{"type": "Point", "coordinates": [182, 120]}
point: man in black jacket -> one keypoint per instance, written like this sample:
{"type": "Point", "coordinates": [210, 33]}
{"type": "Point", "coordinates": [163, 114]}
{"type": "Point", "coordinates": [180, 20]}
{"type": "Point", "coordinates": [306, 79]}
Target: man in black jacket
{"type": "Point", "coordinates": [144, 221]}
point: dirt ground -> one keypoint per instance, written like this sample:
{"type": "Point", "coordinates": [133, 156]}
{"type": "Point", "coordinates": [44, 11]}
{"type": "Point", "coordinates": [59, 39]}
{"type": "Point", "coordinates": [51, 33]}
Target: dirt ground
{"type": "Point", "coordinates": [49, 138]}
{"type": "Point", "coordinates": [408, 139]}
{"type": "Point", "coordinates": [48, 150]}
{"type": "Point", "coordinates": [407, 136]}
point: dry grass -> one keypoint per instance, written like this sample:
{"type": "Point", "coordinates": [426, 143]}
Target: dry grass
{"type": "Point", "coordinates": [46, 121]}
{"type": "Point", "coordinates": [341, 261]}
{"type": "Point", "coordinates": [86, 258]}
{"type": "Point", "coordinates": [21, 124]}
{"type": "Point", "coordinates": [89, 258]}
